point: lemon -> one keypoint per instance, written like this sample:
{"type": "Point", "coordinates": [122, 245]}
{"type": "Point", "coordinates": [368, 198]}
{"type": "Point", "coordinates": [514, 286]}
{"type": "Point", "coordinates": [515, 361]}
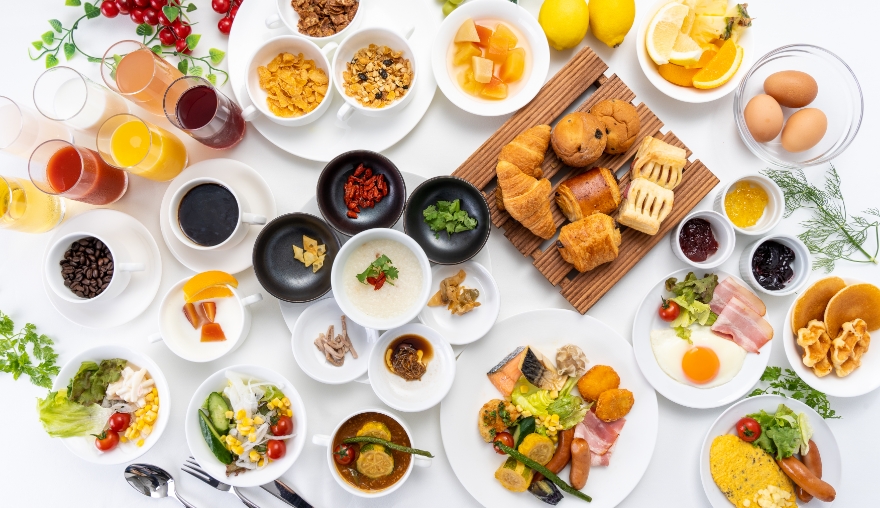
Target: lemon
{"type": "Point", "coordinates": [685, 51]}
{"type": "Point", "coordinates": [565, 22]}
{"type": "Point", "coordinates": [610, 20]}
{"type": "Point", "coordinates": [663, 31]}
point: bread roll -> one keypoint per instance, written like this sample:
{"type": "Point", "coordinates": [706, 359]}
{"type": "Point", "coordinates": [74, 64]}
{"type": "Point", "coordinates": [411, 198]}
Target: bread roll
{"type": "Point", "coordinates": [595, 191]}
{"type": "Point", "coordinates": [589, 242]}
{"type": "Point", "coordinates": [621, 124]}
{"type": "Point", "coordinates": [578, 139]}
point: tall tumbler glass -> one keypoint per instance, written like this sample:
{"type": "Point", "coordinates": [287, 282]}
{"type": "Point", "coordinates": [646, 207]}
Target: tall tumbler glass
{"type": "Point", "coordinates": [197, 108]}
{"type": "Point", "coordinates": [141, 76]}
{"type": "Point", "coordinates": [141, 148]}
{"type": "Point", "coordinates": [64, 95]}
{"type": "Point", "coordinates": [61, 169]}
{"type": "Point", "coordinates": [24, 208]}
{"type": "Point", "coordinates": [23, 129]}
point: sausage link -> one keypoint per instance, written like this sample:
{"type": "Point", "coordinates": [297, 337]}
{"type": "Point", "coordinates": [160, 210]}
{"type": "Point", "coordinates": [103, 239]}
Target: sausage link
{"type": "Point", "coordinates": [813, 461]}
{"type": "Point", "coordinates": [580, 463]}
{"type": "Point", "coordinates": [563, 452]}
{"type": "Point", "coordinates": [804, 478]}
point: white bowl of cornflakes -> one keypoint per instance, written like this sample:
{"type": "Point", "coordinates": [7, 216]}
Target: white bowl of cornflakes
{"type": "Point", "coordinates": [288, 81]}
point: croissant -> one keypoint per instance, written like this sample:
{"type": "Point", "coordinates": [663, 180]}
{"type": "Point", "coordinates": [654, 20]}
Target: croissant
{"type": "Point", "coordinates": [659, 162]}
{"type": "Point", "coordinates": [646, 205]}
{"type": "Point", "coordinates": [525, 197]}
{"type": "Point", "coordinates": [526, 153]}
{"type": "Point", "coordinates": [589, 242]}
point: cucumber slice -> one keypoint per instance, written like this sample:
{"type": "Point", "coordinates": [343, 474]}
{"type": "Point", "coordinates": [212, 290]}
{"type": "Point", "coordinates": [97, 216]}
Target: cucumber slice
{"type": "Point", "coordinates": [525, 427]}
{"type": "Point", "coordinates": [217, 408]}
{"type": "Point", "coordinates": [212, 437]}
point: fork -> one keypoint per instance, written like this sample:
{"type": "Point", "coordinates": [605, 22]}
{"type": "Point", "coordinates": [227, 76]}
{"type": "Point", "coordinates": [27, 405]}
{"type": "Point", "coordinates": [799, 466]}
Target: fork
{"type": "Point", "coordinates": [192, 467]}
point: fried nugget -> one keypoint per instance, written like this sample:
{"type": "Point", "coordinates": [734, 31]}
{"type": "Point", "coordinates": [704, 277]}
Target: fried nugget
{"type": "Point", "coordinates": [598, 379]}
{"type": "Point", "coordinates": [614, 404]}
{"type": "Point", "coordinates": [496, 416]}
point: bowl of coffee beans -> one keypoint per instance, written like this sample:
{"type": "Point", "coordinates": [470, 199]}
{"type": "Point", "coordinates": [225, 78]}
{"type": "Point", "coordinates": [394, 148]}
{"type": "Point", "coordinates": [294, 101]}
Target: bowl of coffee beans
{"type": "Point", "coordinates": [84, 268]}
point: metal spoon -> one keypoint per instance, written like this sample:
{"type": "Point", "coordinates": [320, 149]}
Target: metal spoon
{"type": "Point", "coordinates": [152, 481]}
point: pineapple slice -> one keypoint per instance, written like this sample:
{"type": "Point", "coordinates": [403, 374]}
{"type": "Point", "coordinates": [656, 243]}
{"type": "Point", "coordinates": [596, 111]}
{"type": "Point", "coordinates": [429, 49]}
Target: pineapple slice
{"type": "Point", "coordinates": [483, 68]}
{"type": "Point", "coordinates": [707, 29]}
{"type": "Point", "coordinates": [468, 83]}
{"type": "Point", "coordinates": [711, 7]}
{"type": "Point", "coordinates": [464, 51]}
{"type": "Point", "coordinates": [467, 32]}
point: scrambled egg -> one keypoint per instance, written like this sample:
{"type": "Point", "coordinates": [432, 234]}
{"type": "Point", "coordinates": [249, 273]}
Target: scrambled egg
{"type": "Point", "coordinates": [743, 471]}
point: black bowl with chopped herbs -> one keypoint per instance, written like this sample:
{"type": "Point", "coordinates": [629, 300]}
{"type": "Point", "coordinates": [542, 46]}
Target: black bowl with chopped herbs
{"type": "Point", "coordinates": [449, 218]}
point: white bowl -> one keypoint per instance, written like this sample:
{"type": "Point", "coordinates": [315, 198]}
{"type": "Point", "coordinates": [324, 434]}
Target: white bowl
{"type": "Point", "coordinates": [263, 55]}
{"type": "Point", "coordinates": [327, 441]}
{"type": "Point", "coordinates": [687, 94]}
{"type": "Point", "coordinates": [203, 455]}
{"type": "Point", "coordinates": [773, 212]}
{"type": "Point", "coordinates": [802, 264]}
{"type": "Point", "coordinates": [84, 447]}
{"type": "Point", "coordinates": [460, 330]}
{"type": "Point", "coordinates": [722, 229]}
{"type": "Point", "coordinates": [338, 285]}
{"type": "Point", "coordinates": [413, 396]}
{"type": "Point", "coordinates": [287, 16]}
{"type": "Point", "coordinates": [316, 319]}
{"type": "Point", "coordinates": [537, 56]}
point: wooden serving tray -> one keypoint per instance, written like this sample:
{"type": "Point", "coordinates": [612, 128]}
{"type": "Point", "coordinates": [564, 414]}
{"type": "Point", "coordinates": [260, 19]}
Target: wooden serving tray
{"type": "Point", "coordinates": [583, 71]}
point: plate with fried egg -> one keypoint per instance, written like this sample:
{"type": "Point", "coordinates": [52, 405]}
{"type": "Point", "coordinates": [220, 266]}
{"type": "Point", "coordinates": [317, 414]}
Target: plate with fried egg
{"type": "Point", "coordinates": [709, 370]}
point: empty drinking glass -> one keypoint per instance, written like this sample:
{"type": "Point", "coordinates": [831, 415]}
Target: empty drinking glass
{"type": "Point", "coordinates": [141, 76]}
{"type": "Point", "coordinates": [22, 129]}
{"type": "Point", "coordinates": [196, 107]}
{"type": "Point", "coordinates": [65, 95]}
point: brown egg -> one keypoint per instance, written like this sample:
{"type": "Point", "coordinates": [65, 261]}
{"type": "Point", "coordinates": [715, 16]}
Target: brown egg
{"type": "Point", "coordinates": [763, 117]}
{"type": "Point", "coordinates": [792, 89]}
{"type": "Point", "coordinates": [804, 129]}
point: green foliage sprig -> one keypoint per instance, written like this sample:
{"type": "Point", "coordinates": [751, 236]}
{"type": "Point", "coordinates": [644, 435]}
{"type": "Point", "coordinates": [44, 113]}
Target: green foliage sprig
{"type": "Point", "coordinates": [19, 350]}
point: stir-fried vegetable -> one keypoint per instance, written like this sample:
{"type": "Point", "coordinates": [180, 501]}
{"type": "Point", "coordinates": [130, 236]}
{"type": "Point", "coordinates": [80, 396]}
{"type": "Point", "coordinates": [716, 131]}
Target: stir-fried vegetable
{"type": "Point", "coordinates": [387, 444]}
{"type": "Point", "coordinates": [550, 475]}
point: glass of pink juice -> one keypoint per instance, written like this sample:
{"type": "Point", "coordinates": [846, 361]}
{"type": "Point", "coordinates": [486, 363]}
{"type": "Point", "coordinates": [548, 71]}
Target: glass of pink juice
{"type": "Point", "coordinates": [141, 76]}
{"type": "Point", "coordinates": [197, 108]}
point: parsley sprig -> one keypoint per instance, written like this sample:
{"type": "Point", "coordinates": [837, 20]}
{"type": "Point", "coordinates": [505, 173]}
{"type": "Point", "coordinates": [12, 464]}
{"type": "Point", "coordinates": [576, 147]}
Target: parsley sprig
{"type": "Point", "coordinates": [381, 265]}
{"type": "Point", "coordinates": [16, 359]}
{"type": "Point", "coordinates": [788, 384]}
{"type": "Point", "coordinates": [448, 215]}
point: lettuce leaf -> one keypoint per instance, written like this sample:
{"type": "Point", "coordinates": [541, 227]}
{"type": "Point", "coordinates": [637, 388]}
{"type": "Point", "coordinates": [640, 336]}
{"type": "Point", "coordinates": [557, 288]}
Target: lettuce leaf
{"type": "Point", "coordinates": [63, 418]}
{"type": "Point", "coordinates": [570, 408]}
{"type": "Point", "coordinates": [781, 434]}
{"type": "Point", "coordinates": [89, 385]}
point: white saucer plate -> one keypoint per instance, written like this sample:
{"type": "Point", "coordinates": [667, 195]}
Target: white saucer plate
{"type": "Point", "coordinates": [250, 185]}
{"type": "Point", "coordinates": [325, 138]}
{"type": "Point", "coordinates": [142, 288]}
{"type": "Point", "coordinates": [460, 330]}
{"type": "Point", "coordinates": [647, 319]}
{"type": "Point", "coordinates": [316, 319]}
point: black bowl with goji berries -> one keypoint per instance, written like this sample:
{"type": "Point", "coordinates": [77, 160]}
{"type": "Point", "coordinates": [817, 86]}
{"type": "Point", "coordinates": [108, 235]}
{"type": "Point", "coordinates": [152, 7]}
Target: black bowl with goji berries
{"type": "Point", "coordinates": [361, 190]}
{"type": "Point", "coordinates": [449, 218]}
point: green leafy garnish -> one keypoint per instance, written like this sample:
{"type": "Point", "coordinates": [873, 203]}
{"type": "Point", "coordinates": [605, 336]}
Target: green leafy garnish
{"type": "Point", "coordinates": [19, 350]}
{"type": "Point", "coordinates": [788, 384]}
{"type": "Point", "coordinates": [381, 265]}
{"type": "Point", "coordinates": [89, 385]}
{"type": "Point", "coordinates": [448, 216]}
{"type": "Point", "coordinates": [830, 233]}
{"type": "Point", "coordinates": [780, 433]}
{"type": "Point", "coordinates": [62, 417]}
{"type": "Point", "coordinates": [693, 296]}
{"type": "Point", "coordinates": [693, 288]}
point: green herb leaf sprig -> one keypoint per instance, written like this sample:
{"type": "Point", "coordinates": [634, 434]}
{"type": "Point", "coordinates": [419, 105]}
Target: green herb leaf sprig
{"type": "Point", "coordinates": [448, 215]}
{"type": "Point", "coordinates": [381, 265]}
{"type": "Point", "coordinates": [830, 233]}
{"type": "Point", "coordinates": [788, 384]}
{"type": "Point", "coordinates": [19, 350]}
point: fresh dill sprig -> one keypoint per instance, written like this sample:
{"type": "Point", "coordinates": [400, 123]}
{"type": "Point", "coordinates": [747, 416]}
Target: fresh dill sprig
{"type": "Point", "coordinates": [830, 234]}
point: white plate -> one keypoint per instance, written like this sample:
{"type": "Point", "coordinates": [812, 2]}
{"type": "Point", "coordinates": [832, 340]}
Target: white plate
{"type": "Point", "coordinates": [142, 288]}
{"type": "Point", "coordinates": [694, 95]}
{"type": "Point", "coordinates": [823, 437]}
{"type": "Point", "coordinates": [475, 462]}
{"type": "Point", "coordinates": [203, 454]}
{"type": "Point", "coordinates": [250, 185]}
{"type": "Point", "coordinates": [862, 380]}
{"type": "Point", "coordinates": [647, 319]}
{"type": "Point", "coordinates": [84, 447]}
{"type": "Point", "coordinates": [316, 319]}
{"type": "Point", "coordinates": [324, 139]}
{"type": "Point", "coordinates": [475, 324]}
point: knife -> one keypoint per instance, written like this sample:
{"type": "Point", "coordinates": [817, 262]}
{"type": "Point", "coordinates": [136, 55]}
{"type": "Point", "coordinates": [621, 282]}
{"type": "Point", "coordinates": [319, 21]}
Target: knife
{"type": "Point", "coordinates": [280, 490]}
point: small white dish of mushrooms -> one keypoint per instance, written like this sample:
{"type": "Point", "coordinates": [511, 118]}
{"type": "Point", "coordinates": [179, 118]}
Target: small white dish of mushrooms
{"type": "Point", "coordinates": [329, 347]}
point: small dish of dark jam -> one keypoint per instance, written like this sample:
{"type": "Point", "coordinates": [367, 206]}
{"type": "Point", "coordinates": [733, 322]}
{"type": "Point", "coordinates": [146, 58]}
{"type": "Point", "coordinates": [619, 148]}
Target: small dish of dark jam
{"type": "Point", "coordinates": [772, 265]}
{"type": "Point", "coordinates": [697, 240]}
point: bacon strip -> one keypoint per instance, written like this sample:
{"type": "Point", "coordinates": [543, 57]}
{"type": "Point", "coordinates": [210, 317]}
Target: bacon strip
{"type": "Point", "coordinates": [729, 288]}
{"type": "Point", "coordinates": [600, 436]}
{"type": "Point", "coordinates": [739, 323]}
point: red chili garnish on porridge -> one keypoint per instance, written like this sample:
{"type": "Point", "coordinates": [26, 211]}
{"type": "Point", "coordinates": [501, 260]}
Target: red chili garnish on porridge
{"type": "Point", "coordinates": [363, 190]}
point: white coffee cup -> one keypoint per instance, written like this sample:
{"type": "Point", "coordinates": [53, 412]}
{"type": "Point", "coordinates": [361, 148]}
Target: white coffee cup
{"type": "Point", "coordinates": [245, 218]}
{"type": "Point", "coordinates": [397, 41]}
{"type": "Point", "coordinates": [327, 441]}
{"type": "Point", "coordinates": [287, 16]}
{"type": "Point", "coordinates": [123, 265]}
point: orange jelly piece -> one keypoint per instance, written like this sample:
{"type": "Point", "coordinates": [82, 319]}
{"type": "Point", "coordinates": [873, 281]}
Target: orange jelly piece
{"type": "Point", "coordinates": [484, 33]}
{"type": "Point", "coordinates": [502, 32]}
{"type": "Point", "coordinates": [211, 332]}
{"type": "Point", "coordinates": [512, 68]}
{"type": "Point", "coordinates": [495, 89]}
{"type": "Point", "coordinates": [498, 48]}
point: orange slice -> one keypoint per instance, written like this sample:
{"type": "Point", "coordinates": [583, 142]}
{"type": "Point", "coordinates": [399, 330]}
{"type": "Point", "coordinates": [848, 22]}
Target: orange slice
{"type": "Point", "coordinates": [210, 292]}
{"type": "Point", "coordinates": [204, 280]}
{"type": "Point", "coordinates": [707, 57]}
{"type": "Point", "coordinates": [721, 68]}
{"type": "Point", "coordinates": [677, 75]}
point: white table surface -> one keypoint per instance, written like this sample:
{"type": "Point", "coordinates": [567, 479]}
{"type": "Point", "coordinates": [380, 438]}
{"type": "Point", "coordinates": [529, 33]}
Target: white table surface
{"type": "Point", "coordinates": [38, 471]}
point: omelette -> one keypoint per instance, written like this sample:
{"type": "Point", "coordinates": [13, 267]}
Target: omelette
{"type": "Point", "coordinates": [741, 470]}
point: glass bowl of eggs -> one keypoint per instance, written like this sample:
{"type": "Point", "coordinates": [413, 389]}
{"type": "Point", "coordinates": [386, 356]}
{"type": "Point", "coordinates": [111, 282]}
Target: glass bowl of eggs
{"type": "Point", "coordinates": [799, 105]}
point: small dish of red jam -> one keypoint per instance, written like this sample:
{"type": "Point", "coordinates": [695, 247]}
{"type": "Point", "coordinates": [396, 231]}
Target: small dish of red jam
{"type": "Point", "coordinates": [697, 241]}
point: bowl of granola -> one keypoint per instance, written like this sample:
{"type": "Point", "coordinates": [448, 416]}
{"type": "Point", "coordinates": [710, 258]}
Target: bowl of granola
{"type": "Point", "coordinates": [320, 21]}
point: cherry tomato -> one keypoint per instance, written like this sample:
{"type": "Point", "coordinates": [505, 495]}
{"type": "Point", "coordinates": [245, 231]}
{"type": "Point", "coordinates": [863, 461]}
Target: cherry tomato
{"type": "Point", "coordinates": [225, 25]}
{"type": "Point", "coordinates": [182, 31]}
{"type": "Point", "coordinates": [124, 6]}
{"type": "Point", "coordinates": [167, 37]}
{"type": "Point", "coordinates": [107, 440]}
{"type": "Point", "coordinates": [506, 439]}
{"type": "Point", "coordinates": [748, 429]}
{"type": "Point", "coordinates": [142, 3]}
{"type": "Point", "coordinates": [220, 6]}
{"type": "Point", "coordinates": [163, 20]}
{"type": "Point", "coordinates": [233, 11]}
{"type": "Point", "coordinates": [119, 422]}
{"type": "Point", "coordinates": [137, 15]}
{"type": "Point", "coordinates": [276, 449]}
{"type": "Point", "coordinates": [158, 4]}
{"type": "Point", "coordinates": [181, 47]}
{"type": "Point", "coordinates": [283, 427]}
{"type": "Point", "coordinates": [669, 310]}
{"type": "Point", "coordinates": [109, 9]}
{"type": "Point", "coordinates": [343, 454]}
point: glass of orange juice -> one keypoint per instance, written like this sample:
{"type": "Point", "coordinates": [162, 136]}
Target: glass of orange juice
{"type": "Point", "coordinates": [25, 208]}
{"type": "Point", "coordinates": [141, 148]}
{"type": "Point", "coordinates": [141, 76]}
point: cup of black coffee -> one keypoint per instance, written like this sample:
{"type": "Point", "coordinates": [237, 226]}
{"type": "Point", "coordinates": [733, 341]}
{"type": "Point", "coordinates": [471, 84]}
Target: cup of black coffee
{"type": "Point", "coordinates": [84, 268]}
{"type": "Point", "coordinates": [207, 214]}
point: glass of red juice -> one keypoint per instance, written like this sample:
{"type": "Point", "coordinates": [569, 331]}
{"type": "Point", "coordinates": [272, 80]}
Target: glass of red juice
{"type": "Point", "coordinates": [197, 108]}
{"type": "Point", "coordinates": [62, 169]}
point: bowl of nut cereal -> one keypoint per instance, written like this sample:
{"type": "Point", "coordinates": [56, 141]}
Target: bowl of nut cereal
{"type": "Point", "coordinates": [288, 81]}
{"type": "Point", "coordinates": [374, 70]}
{"type": "Point", "coordinates": [319, 21]}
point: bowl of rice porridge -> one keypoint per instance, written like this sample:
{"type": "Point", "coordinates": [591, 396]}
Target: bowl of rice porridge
{"type": "Point", "coordinates": [381, 279]}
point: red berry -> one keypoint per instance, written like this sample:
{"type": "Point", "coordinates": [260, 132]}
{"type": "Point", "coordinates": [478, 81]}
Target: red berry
{"type": "Point", "coordinates": [182, 31]}
{"type": "Point", "coordinates": [167, 37]}
{"type": "Point", "coordinates": [137, 15]}
{"type": "Point", "coordinates": [151, 16]}
{"type": "Point", "coordinates": [109, 9]}
{"type": "Point", "coordinates": [220, 7]}
{"type": "Point", "coordinates": [142, 3]}
{"type": "Point", "coordinates": [233, 12]}
{"type": "Point", "coordinates": [158, 4]}
{"type": "Point", "coordinates": [124, 6]}
{"type": "Point", "coordinates": [181, 47]}
{"type": "Point", "coordinates": [225, 25]}
{"type": "Point", "coordinates": [163, 20]}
